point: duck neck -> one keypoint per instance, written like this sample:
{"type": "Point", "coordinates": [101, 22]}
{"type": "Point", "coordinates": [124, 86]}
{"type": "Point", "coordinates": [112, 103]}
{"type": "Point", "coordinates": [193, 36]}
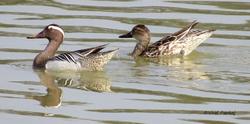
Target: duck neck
{"type": "Point", "coordinates": [50, 50]}
{"type": "Point", "coordinates": [140, 47]}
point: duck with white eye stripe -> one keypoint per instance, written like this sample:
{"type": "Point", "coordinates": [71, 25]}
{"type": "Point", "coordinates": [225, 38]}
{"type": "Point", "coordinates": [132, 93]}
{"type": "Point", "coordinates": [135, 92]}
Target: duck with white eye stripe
{"type": "Point", "coordinates": [91, 59]}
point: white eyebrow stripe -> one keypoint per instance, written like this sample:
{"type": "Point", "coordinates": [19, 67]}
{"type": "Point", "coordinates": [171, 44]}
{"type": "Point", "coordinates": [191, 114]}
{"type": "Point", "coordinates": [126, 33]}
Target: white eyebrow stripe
{"type": "Point", "coordinates": [56, 28]}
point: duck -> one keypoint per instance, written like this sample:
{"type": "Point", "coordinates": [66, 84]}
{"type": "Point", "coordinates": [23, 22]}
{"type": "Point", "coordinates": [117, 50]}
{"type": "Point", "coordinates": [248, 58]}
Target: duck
{"type": "Point", "coordinates": [89, 59]}
{"type": "Point", "coordinates": [180, 43]}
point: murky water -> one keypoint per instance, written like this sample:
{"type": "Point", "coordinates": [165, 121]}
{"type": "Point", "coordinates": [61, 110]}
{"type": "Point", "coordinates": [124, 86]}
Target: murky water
{"type": "Point", "coordinates": [212, 85]}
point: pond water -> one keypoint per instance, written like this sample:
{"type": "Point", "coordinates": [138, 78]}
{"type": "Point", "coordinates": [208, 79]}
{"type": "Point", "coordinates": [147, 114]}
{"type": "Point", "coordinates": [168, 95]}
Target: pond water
{"type": "Point", "coordinates": [210, 86]}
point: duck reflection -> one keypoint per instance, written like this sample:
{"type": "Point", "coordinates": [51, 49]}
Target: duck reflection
{"type": "Point", "coordinates": [178, 68]}
{"type": "Point", "coordinates": [89, 81]}
{"type": "Point", "coordinates": [96, 81]}
{"type": "Point", "coordinates": [54, 93]}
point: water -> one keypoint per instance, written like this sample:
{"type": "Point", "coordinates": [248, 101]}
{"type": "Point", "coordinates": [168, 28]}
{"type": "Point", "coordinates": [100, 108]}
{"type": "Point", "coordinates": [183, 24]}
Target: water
{"type": "Point", "coordinates": [210, 86]}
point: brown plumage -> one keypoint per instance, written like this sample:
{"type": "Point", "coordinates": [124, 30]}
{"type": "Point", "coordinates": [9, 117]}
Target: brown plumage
{"type": "Point", "coordinates": [182, 42]}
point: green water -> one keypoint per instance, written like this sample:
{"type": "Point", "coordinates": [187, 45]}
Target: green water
{"type": "Point", "coordinates": [210, 86]}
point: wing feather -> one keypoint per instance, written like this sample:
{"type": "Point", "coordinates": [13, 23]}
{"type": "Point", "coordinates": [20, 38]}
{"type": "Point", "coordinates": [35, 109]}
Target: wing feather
{"type": "Point", "coordinates": [168, 41]}
{"type": "Point", "coordinates": [75, 55]}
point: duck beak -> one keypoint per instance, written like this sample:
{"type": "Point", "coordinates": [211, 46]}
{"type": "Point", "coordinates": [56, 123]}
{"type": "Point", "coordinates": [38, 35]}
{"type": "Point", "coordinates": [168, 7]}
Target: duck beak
{"type": "Point", "coordinates": [39, 35]}
{"type": "Point", "coordinates": [128, 35]}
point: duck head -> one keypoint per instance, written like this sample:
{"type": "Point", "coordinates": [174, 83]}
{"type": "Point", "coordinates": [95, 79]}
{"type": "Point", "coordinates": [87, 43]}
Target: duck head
{"type": "Point", "coordinates": [142, 34]}
{"type": "Point", "coordinates": [55, 34]}
{"type": "Point", "coordinates": [139, 32]}
{"type": "Point", "coordinates": [52, 32]}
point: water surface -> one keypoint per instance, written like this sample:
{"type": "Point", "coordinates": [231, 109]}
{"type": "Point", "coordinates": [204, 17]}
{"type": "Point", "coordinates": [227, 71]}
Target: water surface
{"type": "Point", "coordinates": [210, 86]}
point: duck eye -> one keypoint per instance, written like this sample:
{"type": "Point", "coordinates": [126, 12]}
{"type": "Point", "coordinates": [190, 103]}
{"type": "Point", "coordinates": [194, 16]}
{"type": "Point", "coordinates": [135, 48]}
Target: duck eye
{"type": "Point", "coordinates": [50, 29]}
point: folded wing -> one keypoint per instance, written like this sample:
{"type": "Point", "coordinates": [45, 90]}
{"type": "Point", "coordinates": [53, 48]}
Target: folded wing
{"type": "Point", "coordinates": [72, 57]}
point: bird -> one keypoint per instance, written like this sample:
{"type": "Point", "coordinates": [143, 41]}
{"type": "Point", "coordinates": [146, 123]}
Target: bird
{"type": "Point", "coordinates": [89, 59]}
{"type": "Point", "coordinates": [180, 43]}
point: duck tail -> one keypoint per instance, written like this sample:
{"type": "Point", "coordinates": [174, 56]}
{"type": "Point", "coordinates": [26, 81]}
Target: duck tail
{"type": "Point", "coordinates": [107, 55]}
{"type": "Point", "coordinates": [96, 62]}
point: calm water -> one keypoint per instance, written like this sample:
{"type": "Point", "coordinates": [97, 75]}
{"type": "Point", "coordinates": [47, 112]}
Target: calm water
{"type": "Point", "coordinates": [210, 86]}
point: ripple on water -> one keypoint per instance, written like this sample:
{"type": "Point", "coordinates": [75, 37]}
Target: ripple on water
{"type": "Point", "coordinates": [209, 86]}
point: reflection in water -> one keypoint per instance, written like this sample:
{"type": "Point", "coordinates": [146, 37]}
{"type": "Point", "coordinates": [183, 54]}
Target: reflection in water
{"type": "Point", "coordinates": [54, 93]}
{"type": "Point", "coordinates": [169, 61]}
{"type": "Point", "coordinates": [184, 68]}
{"type": "Point", "coordinates": [90, 81]}
{"type": "Point", "coordinates": [85, 80]}
{"type": "Point", "coordinates": [214, 78]}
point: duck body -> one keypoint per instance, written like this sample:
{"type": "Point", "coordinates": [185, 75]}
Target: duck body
{"type": "Point", "coordinates": [183, 47]}
{"type": "Point", "coordinates": [86, 59]}
{"type": "Point", "coordinates": [91, 59]}
{"type": "Point", "coordinates": [180, 43]}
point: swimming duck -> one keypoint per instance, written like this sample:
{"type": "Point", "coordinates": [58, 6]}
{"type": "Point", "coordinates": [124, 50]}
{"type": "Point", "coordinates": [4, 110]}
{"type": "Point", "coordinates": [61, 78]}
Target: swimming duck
{"type": "Point", "coordinates": [182, 42]}
{"type": "Point", "coordinates": [91, 59]}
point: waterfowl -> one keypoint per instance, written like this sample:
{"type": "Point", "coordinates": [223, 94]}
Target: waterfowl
{"type": "Point", "coordinates": [91, 59]}
{"type": "Point", "coordinates": [182, 42]}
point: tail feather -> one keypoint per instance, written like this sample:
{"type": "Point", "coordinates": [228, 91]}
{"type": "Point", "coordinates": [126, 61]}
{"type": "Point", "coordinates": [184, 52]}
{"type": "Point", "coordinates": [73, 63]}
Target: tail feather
{"type": "Point", "coordinates": [195, 39]}
{"type": "Point", "coordinates": [107, 55]}
{"type": "Point", "coordinates": [97, 61]}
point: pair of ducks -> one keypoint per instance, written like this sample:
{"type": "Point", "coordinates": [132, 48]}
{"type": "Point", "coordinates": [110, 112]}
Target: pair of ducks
{"type": "Point", "coordinates": [182, 43]}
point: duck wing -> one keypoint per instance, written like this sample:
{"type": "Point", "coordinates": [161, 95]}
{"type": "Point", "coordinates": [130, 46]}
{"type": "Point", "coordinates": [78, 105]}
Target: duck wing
{"type": "Point", "coordinates": [75, 55]}
{"type": "Point", "coordinates": [177, 35]}
{"type": "Point", "coordinates": [165, 44]}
